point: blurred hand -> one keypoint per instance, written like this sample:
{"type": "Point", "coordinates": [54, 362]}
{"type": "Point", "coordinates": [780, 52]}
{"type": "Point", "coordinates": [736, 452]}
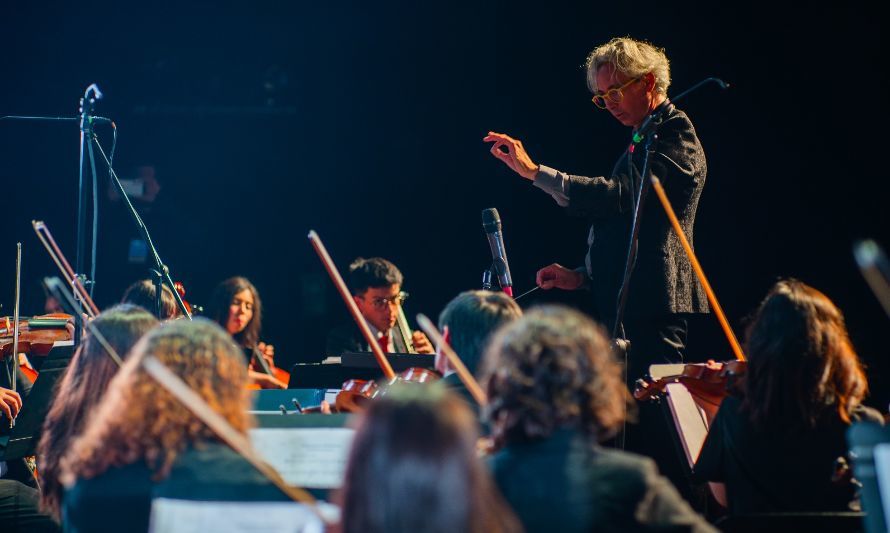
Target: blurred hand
{"type": "Point", "coordinates": [268, 352]}
{"type": "Point", "coordinates": [266, 381]}
{"type": "Point", "coordinates": [10, 403]}
{"type": "Point", "coordinates": [421, 343]}
{"type": "Point", "coordinates": [559, 277]}
{"type": "Point", "coordinates": [512, 153]}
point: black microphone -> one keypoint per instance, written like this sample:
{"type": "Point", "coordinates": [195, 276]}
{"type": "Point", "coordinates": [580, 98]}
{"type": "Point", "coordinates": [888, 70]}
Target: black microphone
{"type": "Point", "coordinates": [491, 223]}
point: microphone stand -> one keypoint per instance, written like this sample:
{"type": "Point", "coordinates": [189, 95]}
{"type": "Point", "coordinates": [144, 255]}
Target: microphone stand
{"type": "Point", "coordinates": [648, 132]}
{"type": "Point", "coordinates": [87, 104]}
{"type": "Point", "coordinates": [91, 95]}
{"type": "Point", "coordinates": [486, 279]}
{"type": "Point", "coordinates": [162, 273]}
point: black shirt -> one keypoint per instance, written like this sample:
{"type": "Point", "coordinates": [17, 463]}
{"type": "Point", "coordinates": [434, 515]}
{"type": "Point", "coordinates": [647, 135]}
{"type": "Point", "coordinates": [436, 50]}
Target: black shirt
{"type": "Point", "coordinates": [565, 483]}
{"type": "Point", "coordinates": [120, 498]}
{"type": "Point", "coordinates": [781, 470]}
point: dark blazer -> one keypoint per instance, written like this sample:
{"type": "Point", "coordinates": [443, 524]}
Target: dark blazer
{"type": "Point", "coordinates": [663, 281]}
{"type": "Point", "coordinates": [119, 499]}
{"type": "Point", "coordinates": [346, 338]}
{"type": "Point", "coordinates": [565, 483]}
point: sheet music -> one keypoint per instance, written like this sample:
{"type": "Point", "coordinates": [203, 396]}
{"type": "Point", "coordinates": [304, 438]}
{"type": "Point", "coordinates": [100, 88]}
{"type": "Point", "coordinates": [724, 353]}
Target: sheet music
{"type": "Point", "coordinates": [305, 457]}
{"type": "Point", "coordinates": [689, 419]}
{"type": "Point", "coordinates": [185, 516]}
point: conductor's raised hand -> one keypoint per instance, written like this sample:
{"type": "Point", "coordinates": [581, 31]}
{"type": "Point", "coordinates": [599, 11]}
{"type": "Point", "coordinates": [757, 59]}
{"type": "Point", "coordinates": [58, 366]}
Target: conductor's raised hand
{"type": "Point", "coordinates": [556, 276]}
{"type": "Point", "coordinates": [512, 153]}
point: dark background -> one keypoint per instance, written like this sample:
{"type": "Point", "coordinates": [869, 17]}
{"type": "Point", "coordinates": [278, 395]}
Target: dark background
{"type": "Point", "coordinates": [364, 121]}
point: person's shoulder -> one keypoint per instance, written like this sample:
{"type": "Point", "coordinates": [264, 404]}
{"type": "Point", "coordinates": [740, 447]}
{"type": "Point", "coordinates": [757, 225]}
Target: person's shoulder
{"type": "Point", "coordinates": [862, 413]}
{"type": "Point", "coordinates": [213, 471]}
{"type": "Point", "coordinates": [618, 462]}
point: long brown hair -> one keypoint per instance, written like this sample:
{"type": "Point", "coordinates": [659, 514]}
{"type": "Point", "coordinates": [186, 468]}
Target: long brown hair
{"type": "Point", "coordinates": [553, 368]}
{"type": "Point", "coordinates": [221, 299]}
{"type": "Point", "coordinates": [138, 420]}
{"type": "Point", "coordinates": [413, 467]}
{"type": "Point", "coordinates": [801, 364]}
{"type": "Point", "coordinates": [144, 294]}
{"type": "Point", "coordinates": [81, 388]}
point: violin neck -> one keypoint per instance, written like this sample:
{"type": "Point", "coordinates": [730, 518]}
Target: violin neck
{"type": "Point", "coordinates": [264, 365]}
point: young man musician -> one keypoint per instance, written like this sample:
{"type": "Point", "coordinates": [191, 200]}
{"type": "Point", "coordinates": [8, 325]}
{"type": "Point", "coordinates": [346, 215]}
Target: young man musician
{"type": "Point", "coordinates": [467, 323]}
{"type": "Point", "coordinates": [376, 287]}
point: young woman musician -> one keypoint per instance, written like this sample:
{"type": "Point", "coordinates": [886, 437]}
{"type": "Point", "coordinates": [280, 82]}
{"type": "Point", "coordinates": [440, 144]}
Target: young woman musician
{"type": "Point", "coordinates": [413, 467]}
{"type": "Point", "coordinates": [236, 306]}
{"type": "Point", "coordinates": [776, 446]}
{"type": "Point", "coordinates": [142, 443]}
{"type": "Point", "coordinates": [81, 389]}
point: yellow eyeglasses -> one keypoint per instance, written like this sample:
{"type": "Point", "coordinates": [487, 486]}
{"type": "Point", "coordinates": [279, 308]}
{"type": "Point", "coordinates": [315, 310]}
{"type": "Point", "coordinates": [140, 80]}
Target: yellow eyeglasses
{"type": "Point", "coordinates": [612, 95]}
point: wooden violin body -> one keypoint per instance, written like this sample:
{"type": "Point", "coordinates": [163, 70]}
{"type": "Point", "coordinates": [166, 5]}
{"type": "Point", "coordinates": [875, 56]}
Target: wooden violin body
{"type": "Point", "coordinates": [708, 383]}
{"type": "Point", "coordinates": [356, 393]}
{"type": "Point", "coordinates": [37, 335]}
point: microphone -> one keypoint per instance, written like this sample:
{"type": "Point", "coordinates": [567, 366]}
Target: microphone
{"type": "Point", "coordinates": [491, 223]}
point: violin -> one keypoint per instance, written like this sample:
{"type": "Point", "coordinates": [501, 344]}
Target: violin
{"type": "Point", "coordinates": [708, 383]}
{"type": "Point", "coordinates": [355, 393]}
{"type": "Point", "coordinates": [37, 336]}
{"type": "Point", "coordinates": [180, 289]}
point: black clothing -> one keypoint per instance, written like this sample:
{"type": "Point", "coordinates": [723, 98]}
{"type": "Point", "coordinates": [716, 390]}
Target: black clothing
{"type": "Point", "coordinates": [119, 499]}
{"type": "Point", "coordinates": [663, 281]}
{"type": "Point", "coordinates": [565, 483]}
{"type": "Point", "coordinates": [781, 470]}
{"type": "Point", "coordinates": [346, 338]}
{"type": "Point", "coordinates": [20, 510]}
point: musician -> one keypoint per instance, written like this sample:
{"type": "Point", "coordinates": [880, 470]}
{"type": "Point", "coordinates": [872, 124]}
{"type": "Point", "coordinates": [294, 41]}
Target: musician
{"type": "Point", "coordinates": [466, 324]}
{"type": "Point", "coordinates": [555, 391]}
{"type": "Point", "coordinates": [630, 79]}
{"type": "Point", "coordinates": [235, 305]}
{"type": "Point", "coordinates": [776, 445]}
{"type": "Point", "coordinates": [413, 467]}
{"type": "Point", "coordinates": [141, 443]}
{"type": "Point", "coordinates": [144, 294]}
{"type": "Point", "coordinates": [82, 388]}
{"type": "Point", "coordinates": [376, 287]}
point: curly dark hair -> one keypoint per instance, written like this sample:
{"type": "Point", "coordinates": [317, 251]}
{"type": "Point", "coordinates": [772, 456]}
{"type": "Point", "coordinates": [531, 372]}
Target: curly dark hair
{"type": "Point", "coordinates": [801, 364]}
{"type": "Point", "coordinates": [553, 368]}
{"type": "Point", "coordinates": [155, 427]}
{"type": "Point", "coordinates": [417, 445]}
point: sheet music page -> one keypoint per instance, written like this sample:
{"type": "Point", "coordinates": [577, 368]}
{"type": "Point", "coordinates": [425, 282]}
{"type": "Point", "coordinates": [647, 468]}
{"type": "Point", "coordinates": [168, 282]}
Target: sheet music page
{"type": "Point", "coordinates": [305, 457]}
{"type": "Point", "coordinates": [184, 516]}
{"type": "Point", "coordinates": [689, 419]}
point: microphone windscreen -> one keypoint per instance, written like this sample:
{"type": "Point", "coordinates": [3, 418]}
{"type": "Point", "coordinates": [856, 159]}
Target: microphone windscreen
{"type": "Point", "coordinates": [491, 220]}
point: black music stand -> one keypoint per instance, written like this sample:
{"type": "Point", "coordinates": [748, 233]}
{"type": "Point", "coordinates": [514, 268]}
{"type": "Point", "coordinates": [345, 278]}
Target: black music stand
{"type": "Point", "coordinates": [353, 365]}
